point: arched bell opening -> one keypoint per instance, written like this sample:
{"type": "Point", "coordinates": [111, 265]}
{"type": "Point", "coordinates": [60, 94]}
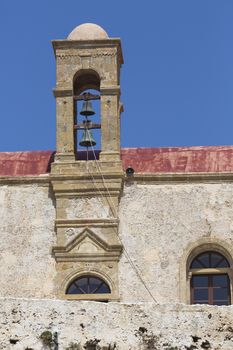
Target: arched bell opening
{"type": "Point", "coordinates": [87, 121]}
{"type": "Point", "coordinates": [85, 79]}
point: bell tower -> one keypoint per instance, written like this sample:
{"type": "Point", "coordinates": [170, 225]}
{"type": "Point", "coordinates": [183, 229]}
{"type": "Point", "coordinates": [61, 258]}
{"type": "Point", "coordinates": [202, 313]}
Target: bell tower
{"type": "Point", "coordinates": [87, 184]}
{"type": "Point", "coordinates": [88, 59]}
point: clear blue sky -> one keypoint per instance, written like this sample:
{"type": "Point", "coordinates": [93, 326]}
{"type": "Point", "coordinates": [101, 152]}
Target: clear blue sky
{"type": "Point", "coordinates": [177, 80]}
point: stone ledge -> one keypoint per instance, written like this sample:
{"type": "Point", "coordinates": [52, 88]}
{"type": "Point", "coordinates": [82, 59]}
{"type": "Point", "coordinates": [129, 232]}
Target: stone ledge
{"type": "Point", "coordinates": [141, 326]}
{"type": "Point", "coordinates": [159, 178]}
{"type": "Point", "coordinates": [24, 180]}
{"type": "Point", "coordinates": [142, 178]}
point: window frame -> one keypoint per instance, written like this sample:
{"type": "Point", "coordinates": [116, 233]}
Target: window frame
{"type": "Point", "coordinates": [104, 297]}
{"type": "Point", "coordinates": [210, 287]}
{"type": "Point", "coordinates": [210, 272]}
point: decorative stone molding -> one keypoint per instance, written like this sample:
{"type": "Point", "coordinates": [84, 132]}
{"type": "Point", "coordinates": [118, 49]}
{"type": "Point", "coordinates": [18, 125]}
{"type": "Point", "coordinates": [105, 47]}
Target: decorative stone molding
{"type": "Point", "coordinates": [85, 53]}
{"type": "Point", "coordinates": [62, 92]}
{"type": "Point", "coordinates": [93, 222]}
{"type": "Point", "coordinates": [110, 90]}
{"type": "Point", "coordinates": [87, 246]}
{"type": "Point", "coordinates": [156, 178]}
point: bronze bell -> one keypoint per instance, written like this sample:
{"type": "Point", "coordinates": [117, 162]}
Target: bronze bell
{"type": "Point", "coordinates": [87, 109]}
{"type": "Point", "coordinates": [87, 139]}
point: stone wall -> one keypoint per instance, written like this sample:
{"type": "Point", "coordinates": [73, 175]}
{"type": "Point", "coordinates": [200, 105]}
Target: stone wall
{"type": "Point", "coordinates": [143, 326]}
{"type": "Point", "coordinates": [27, 268]}
{"type": "Point", "coordinates": [159, 226]}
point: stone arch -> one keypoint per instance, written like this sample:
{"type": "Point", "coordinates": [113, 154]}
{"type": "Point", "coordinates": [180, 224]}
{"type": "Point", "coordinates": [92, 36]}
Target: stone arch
{"type": "Point", "coordinates": [87, 272]}
{"type": "Point", "coordinates": [85, 79]}
{"type": "Point", "coordinates": [192, 250]}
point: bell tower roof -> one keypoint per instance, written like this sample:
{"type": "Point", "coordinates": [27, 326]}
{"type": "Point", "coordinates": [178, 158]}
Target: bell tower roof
{"type": "Point", "coordinates": [88, 31]}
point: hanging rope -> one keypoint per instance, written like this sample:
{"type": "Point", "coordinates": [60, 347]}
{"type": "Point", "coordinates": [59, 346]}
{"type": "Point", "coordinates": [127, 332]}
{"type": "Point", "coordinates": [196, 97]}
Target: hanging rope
{"type": "Point", "coordinates": [114, 212]}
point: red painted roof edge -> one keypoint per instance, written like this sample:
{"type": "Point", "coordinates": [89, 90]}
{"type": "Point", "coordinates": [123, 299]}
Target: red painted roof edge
{"type": "Point", "coordinates": [205, 159]}
{"type": "Point", "coordinates": [29, 163]}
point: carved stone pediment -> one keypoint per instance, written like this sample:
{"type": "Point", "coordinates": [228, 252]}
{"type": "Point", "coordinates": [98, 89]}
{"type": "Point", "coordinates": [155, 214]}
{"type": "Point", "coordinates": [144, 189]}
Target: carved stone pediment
{"type": "Point", "coordinates": [87, 246]}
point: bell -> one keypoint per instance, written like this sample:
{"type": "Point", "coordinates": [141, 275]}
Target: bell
{"type": "Point", "coordinates": [87, 109]}
{"type": "Point", "coordinates": [87, 139]}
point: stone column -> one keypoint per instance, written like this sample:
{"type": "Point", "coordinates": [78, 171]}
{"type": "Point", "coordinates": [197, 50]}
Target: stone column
{"type": "Point", "coordinates": [110, 150]}
{"type": "Point", "coordinates": [64, 126]}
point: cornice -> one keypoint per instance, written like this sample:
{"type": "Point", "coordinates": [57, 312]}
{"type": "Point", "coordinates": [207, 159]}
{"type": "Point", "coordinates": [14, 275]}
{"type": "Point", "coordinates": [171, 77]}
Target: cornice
{"type": "Point", "coordinates": [62, 92]}
{"type": "Point", "coordinates": [146, 178]}
{"type": "Point", "coordinates": [160, 178]}
{"type": "Point", "coordinates": [62, 257]}
{"type": "Point", "coordinates": [110, 90]}
{"type": "Point", "coordinates": [111, 222]}
{"type": "Point", "coordinates": [89, 44]}
{"type": "Point", "coordinates": [25, 180]}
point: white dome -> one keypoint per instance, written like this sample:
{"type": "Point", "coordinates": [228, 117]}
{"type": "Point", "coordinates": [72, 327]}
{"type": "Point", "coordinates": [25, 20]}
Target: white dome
{"type": "Point", "coordinates": [87, 31]}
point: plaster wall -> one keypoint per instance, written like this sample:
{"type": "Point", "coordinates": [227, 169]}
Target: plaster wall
{"type": "Point", "coordinates": [26, 235]}
{"type": "Point", "coordinates": [159, 226]}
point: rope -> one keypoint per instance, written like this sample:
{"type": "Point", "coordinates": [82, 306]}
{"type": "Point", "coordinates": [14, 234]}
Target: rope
{"type": "Point", "coordinates": [115, 215]}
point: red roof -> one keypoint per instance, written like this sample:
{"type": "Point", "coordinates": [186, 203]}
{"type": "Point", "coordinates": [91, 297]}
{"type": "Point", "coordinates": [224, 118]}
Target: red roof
{"type": "Point", "coordinates": [207, 159]}
{"type": "Point", "coordinates": [213, 159]}
{"type": "Point", "coordinates": [25, 163]}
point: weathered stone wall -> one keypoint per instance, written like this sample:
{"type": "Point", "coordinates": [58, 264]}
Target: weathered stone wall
{"type": "Point", "coordinates": [159, 225]}
{"type": "Point", "coordinates": [27, 235]}
{"type": "Point", "coordinates": [143, 326]}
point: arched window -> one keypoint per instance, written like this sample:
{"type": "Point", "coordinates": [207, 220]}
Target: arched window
{"type": "Point", "coordinates": [88, 285]}
{"type": "Point", "coordinates": [210, 283]}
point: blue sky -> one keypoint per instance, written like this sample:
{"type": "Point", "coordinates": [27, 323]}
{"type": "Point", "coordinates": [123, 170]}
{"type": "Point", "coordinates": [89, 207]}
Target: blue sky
{"type": "Point", "coordinates": [177, 80]}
